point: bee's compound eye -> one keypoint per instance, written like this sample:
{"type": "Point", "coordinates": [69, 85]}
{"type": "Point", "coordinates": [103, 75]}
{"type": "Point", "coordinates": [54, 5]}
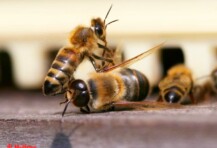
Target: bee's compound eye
{"type": "Point", "coordinates": [78, 85]}
{"type": "Point", "coordinates": [50, 88]}
{"type": "Point", "coordinates": [172, 97]}
{"type": "Point", "coordinates": [98, 30]}
{"type": "Point", "coordinates": [81, 99]}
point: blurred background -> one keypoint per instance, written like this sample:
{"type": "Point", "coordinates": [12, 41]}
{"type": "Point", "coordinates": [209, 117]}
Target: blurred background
{"type": "Point", "coordinates": [31, 33]}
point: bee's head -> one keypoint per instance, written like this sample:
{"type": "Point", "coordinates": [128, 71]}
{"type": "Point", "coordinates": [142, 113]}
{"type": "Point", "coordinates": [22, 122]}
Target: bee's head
{"type": "Point", "coordinates": [78, 93]}
{"type": "Point", "coordinates": [99, 26]}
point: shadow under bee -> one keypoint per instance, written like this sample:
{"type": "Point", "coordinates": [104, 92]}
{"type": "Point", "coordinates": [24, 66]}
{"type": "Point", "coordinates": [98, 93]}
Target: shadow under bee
{"type": "Point", "coordinates": [62, 139]}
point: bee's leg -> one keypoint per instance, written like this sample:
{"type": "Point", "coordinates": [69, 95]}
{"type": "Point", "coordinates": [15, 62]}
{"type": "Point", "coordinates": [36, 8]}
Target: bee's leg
{"type": "Point", "coordinates": [67, 103]}
{"type": "Point", "coordinates": [96, 67]}
{"type": "Point", "coordinates": [86, 109]}
{"type": "Point", "coordinates": [105, 50]}
{"type": "Point", "coordinates": [107, 54]}
{"type": "Point", "coordinates": [109, 60]}
{"type": "Point", "coordinates": [103, 66]}
{"type": "Point", "coordinates": [59, 93]}
{"type": "Point", "coordinates": [191, 96]}
{"type": "Point", "coordinates": [110, 107]}
{"type": "Point", "coordinates": [103, 54]}
{"type": "Point", "coordinates": [160, 99]}
{"type": "Point", "coordinates": [63, 102]}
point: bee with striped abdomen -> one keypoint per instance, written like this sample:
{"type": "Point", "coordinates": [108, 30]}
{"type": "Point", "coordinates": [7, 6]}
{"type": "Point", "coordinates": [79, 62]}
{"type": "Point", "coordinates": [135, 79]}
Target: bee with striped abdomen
{"type": "Point", "coordinates": [177, 85]}
{"type": "Point", "coordinates": [84, 41]}
{"type": "Point", "coordinates": [102, 91]}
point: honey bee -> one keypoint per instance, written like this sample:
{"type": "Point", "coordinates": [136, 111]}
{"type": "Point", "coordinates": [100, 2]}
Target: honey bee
{"type": "Point", "coordinates": [214, 79]}
{"type": "Point", "coordinates": [84, 41]}
{"type": "Point", "coordinates": [207, 87]}
{"type": "Point", "coordinates": [177, 85]}
{"type": "Point", "coordinates": [102, 90]}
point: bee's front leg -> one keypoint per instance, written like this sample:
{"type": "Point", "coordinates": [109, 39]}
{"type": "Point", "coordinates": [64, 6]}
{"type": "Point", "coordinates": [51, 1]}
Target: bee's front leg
{"type": "Point", "coordinates": [96, 67]}
{"type": "Point", "coordinates": [85, 110]}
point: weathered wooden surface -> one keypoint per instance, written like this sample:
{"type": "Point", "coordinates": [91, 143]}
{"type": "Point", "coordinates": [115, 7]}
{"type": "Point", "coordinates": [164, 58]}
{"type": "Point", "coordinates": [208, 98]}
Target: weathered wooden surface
{"type": "Point", "coordinates": [32, 119]}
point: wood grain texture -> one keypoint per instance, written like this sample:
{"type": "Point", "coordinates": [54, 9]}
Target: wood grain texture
{"type": "Point", "coordinates": [33, 119]}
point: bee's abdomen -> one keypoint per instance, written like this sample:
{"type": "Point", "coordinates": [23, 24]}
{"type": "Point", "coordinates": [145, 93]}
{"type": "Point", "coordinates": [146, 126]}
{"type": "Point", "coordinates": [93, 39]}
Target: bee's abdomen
{"type": "Point", "coordinates": [174, 93]}
{"type": "Point", "coordinates": [136, 84]}
{"type": "Point", "coordinates": [176, 88]}
{"type": "Point", "coordinates": [61, 71]}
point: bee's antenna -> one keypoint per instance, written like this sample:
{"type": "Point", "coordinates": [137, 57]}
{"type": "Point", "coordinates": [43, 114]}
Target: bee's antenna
{"type": "Point", "coordinates": [65, 108]}
{"type": "Point", "coordinates": [110, 23]}
{"type": "Point", "coordinates": [107, 13]}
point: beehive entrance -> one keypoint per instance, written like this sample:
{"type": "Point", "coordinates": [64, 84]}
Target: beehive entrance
{"type": "Point", "coordinates": [171, 56]}
{"type": "Point", "coordinates": [6, 76]}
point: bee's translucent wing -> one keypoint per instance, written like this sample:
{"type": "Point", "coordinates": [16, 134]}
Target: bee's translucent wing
{"type": "Point", "coordinates": [143, 105]}
{"type": "Point", "coordinates": [134, 59]}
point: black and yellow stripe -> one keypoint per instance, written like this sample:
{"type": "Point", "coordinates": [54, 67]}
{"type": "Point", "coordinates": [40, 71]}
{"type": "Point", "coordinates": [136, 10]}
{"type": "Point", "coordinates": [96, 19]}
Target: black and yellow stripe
{"type": "Point", "coordinates": [107, 88]}
{"type": "Point", "coordinates": [61, 71]}
{"type": "Point", "coordinates": [137, 85]}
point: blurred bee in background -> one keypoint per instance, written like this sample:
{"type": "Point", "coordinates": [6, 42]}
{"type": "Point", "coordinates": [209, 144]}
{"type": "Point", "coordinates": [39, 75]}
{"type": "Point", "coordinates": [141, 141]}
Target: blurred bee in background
{"type": "Point", "coordinates": [214, 80]}
{"type": "Point", "coordinates": [84, 41]}
{"type": "Point", "coordinates": [208, 88]}
{"type": "Point", "coordinates": [177, 85]}
{"type": "Point", "coordinates": [103, 90]}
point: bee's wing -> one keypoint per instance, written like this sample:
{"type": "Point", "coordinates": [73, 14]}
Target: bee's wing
{"type": "Point", "coordinates": [134, 59]}
{"type": "Point", "coordinates": [203, 77]}
{"type": "Point", "coordinates": [143, 105]}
